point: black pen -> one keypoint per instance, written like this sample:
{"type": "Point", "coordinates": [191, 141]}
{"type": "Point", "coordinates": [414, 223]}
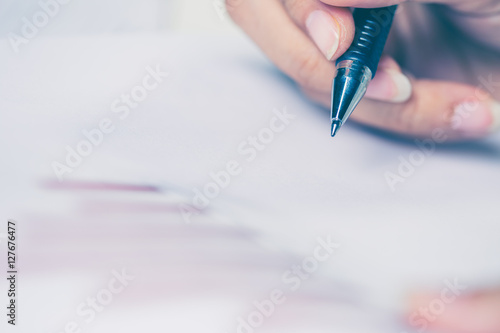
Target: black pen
{"type": "Point", "coordinates": [358, 66]}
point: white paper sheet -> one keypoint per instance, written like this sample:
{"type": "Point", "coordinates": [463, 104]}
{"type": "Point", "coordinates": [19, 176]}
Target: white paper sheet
{"type": "Point", "coordinates": [441, 223]}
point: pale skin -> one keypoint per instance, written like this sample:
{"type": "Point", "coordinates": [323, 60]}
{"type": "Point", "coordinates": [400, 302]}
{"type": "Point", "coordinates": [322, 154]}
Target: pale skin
{"type": "Point", "coordinates": [450, 53]}
{"type": "Point", "coordinates": [447, 53]}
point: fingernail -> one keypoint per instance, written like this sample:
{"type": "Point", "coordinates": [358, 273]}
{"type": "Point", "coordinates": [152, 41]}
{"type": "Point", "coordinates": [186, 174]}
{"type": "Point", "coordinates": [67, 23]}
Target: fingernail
{"type": "Point", "coordinates": [390, 85]}
{"type": "Point", "coordinates": [476, 118]}
{"type": "Point", "coordinates": [324, 30]}
{"type": "Point", "coordinates": [402, 85]}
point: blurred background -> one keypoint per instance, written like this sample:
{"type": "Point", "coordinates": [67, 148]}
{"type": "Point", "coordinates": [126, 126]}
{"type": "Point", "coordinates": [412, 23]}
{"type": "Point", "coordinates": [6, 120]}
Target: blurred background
{"type": "Point", "coordinates": [205, 276]}
{"type": "Point", "coordinates": [121, 16]}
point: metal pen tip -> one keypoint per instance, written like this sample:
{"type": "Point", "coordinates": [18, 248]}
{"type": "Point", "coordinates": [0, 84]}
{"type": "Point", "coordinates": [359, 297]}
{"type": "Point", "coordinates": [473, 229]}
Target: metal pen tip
{"type": "Point", "coordinates": [335, 127]}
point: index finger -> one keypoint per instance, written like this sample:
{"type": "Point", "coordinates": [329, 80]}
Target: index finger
{"type": "Point", "coordinates": [278, 28]}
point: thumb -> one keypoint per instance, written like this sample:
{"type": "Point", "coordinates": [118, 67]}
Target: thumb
{"type": "Point", "coordinates": [331, 29]}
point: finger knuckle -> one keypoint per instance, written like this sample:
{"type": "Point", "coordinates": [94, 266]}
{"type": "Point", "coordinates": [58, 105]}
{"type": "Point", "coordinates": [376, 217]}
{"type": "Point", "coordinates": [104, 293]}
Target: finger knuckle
{"type": "Point", "coordinates": [308, 66]}
{"type": "Point", "coordinates": [295, 7]}
{"type": "Point", "coordinates": [232, 8]}
{"type": "Point", "coordinates": [409, 119]}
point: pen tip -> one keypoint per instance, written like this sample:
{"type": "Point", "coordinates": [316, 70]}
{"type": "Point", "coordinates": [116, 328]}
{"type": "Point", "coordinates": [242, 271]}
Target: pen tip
{"type": "Point", "coordinates": [335, 127]}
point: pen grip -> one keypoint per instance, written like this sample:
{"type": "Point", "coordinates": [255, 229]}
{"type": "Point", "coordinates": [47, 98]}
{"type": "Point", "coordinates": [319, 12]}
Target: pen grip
{"type": "Point", "coordinates": [372, 29]}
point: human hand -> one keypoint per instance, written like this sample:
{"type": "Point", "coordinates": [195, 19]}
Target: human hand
{"type": "Point", "coordinates": [451, 52]}
{"type": "Point", "coordinates": [445, 312]}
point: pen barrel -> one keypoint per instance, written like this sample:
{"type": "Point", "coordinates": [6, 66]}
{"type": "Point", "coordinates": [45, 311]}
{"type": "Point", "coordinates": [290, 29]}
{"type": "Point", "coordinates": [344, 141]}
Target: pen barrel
{"type": "Point", "coordinates": [372, 29]}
